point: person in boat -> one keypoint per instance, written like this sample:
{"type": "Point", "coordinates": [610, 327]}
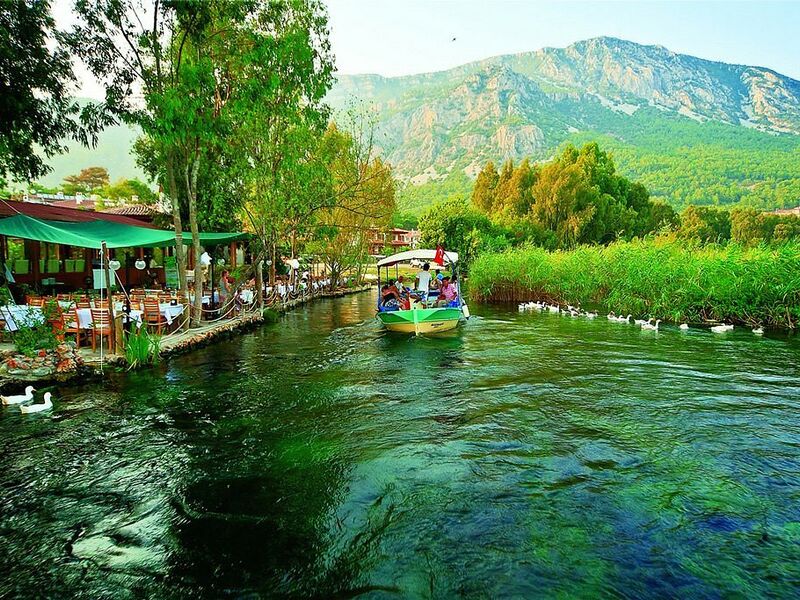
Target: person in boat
{"type": "Point", "coordinates": [389, 297]}
{"type": "Point", "coordinates": [447, 293]}
{"type": "Point", "coordinates": [436, 282]}
{"type": "Point", "coordinates": [400, 285]}
{"type": "Point", "coordinates": [423, 280]}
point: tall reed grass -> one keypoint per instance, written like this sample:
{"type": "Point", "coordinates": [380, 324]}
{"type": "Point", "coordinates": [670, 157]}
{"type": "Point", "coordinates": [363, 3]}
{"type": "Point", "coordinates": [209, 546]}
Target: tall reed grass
{"type": "Point", "coordinates": [661, 278]}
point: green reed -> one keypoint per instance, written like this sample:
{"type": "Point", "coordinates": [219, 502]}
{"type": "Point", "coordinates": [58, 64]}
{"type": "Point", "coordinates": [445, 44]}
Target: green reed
{"type": "Point", "coordinates": [661, 278]}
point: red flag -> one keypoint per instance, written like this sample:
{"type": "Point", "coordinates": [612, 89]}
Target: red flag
{"type": "Point", "coordinates": [439, 258]}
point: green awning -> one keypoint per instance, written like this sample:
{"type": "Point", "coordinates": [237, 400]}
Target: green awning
{"type": "Point", "coordinates": [91, 234]}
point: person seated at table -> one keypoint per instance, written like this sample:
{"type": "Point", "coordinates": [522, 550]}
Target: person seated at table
{"type": "Point", "coordinates": [447, 293]}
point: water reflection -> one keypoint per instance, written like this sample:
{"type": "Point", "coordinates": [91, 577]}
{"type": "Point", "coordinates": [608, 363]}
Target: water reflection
{"type": "Point", "coordinates": [521, 455]}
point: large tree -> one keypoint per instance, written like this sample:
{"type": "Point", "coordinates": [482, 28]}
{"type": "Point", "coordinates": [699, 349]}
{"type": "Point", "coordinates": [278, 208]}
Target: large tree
{"type": "Point", "coordinates": [364, 189]}
{"type": "Point", "coordinates": [213, 74]}
{"type": "Point", "coordinates": [37, 112]}
{"type": "Point", "coordinates": [88, 180]}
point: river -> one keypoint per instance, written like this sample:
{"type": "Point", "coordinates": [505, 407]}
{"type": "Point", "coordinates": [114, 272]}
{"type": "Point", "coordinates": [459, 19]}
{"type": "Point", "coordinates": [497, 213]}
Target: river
{"type": "Point", "coordinates": [525, 455]}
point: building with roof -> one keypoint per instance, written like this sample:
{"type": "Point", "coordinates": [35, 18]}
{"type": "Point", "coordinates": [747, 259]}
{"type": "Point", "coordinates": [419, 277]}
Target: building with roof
{"type": "Point", "coordinates": [393, 240]}
{"type": "Point", "coordinates": [57, 248]}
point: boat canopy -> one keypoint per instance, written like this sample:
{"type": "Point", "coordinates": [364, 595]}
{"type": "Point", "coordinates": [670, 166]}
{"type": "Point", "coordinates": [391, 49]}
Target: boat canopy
{"type": "Point", "coordinates": [418, 254]}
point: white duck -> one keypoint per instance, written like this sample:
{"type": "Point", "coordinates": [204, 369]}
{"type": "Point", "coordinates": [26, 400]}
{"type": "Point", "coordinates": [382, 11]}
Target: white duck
{"type": "Point", "coordinates": [35, 408]}
{"type": "Point", "coordinates": [26, 397]}
{"type": "Point", "coordinates": [758, 331]}
{"type": "Point", "coordinates": [641, 321]}
{"type": "Point", "coordinates": [651, 326]}
{"type": "Point", "coordinates": [554, 308]}
{"type": "Point", "coordinates": [622, 319]}
{"type": "Point", "coordinates": [721, 328]}
{"type": "Point", "coordinates": [684, 326]}
{"type": "Point", "coordinates": [590, 315]}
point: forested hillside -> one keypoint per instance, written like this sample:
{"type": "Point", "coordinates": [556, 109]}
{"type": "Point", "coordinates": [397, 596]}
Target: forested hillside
{"type": "Point", "coordinates": [693, 131]}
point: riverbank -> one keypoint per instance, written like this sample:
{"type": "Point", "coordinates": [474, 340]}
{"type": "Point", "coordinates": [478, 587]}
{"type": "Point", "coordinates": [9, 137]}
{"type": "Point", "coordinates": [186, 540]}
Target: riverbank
{"type": "Point", "coordinates": [67, 363]}
{"type": "Point", "coordinates": [662, 278]}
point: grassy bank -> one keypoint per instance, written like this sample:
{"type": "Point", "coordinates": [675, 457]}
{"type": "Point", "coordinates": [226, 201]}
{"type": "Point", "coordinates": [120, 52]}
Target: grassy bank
{"type": "Point", "coordinates": [661, 278]}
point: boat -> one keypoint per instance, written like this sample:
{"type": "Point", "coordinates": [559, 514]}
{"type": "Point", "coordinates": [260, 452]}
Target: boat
{"type": "Point", "coordinates": [421, 318]}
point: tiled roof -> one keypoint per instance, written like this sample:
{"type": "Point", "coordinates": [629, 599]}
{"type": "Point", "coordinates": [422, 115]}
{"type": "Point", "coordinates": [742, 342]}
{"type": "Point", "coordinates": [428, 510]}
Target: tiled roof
{"type": "Point", "coordinates": [139, 210]}
{"type": "Point", "coordinates": [9, 208]}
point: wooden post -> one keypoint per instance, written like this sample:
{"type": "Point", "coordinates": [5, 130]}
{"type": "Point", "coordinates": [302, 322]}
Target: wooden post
{"type": "Point", "coordinates": [107, 277]}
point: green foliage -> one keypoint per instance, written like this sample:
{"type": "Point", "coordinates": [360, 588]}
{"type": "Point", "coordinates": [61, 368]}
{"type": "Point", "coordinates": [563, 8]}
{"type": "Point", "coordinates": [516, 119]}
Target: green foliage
{"type": "Point", "coordinates": [35, 103]}
{"type": "Point", "coordinates": [575, 198]}
{"type": "Point", "coordinates": [142, 348]}
{"type": "Point", "coordinates": [661, 278]}
{"type": "Point", "coordinates": [462, 229]}
{"type": "Point", "coordinates": [87, 181]}
{"type": "Point", "coordinates": [705, 223]}
{"type": "Point", "coordinates": [405, 220]}
{"type": "Point", "coordinates": [126, 189]}
{"type": "Point", "coordinates": [415, 199]}
{"type": "Point", "coordinates": [682, 162]}
{"type": "Point", "coordinates": [750, 226]}
{"type": "Point", "coordinates": [34, 334]}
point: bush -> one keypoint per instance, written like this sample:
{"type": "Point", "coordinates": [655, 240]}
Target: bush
{"type": "Point", "coordinates": [34, 334]}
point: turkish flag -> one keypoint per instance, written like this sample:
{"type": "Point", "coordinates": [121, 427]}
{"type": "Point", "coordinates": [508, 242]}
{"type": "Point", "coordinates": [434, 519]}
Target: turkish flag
{"type": "Point", "coordinates": [439, 258]}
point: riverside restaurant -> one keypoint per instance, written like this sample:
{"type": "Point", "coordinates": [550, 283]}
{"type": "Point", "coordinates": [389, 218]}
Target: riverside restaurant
{"type": "Point", "coordinates": [57, 250]}
{"type": "Point", "coordinates": [62, 257]}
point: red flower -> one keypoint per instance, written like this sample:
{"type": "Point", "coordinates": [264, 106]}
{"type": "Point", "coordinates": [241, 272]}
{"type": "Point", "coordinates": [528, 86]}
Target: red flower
{"type": "Point", "coordinates": [43, 353]}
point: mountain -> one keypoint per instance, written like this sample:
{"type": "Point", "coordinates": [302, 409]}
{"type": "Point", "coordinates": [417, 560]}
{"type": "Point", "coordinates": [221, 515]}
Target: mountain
{"type": "Point", "coordinates": [693, 130]}
{"type": "Point", "coordinates": [113, 151]}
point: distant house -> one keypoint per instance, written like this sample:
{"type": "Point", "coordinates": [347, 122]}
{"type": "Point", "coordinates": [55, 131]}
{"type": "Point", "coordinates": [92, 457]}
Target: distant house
{"type": "Point", "coordinates": [382, 243]}
{"type": "Point", "coordinates": [60, 200]}
{"type": "Point", "coordinates": [787, 212]}
{"type": "Point", "coordinates": [141, 212]}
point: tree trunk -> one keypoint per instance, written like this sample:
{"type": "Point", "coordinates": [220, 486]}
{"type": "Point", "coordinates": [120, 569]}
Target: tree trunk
{"type": "Point", "coordinates": [191, 194]}
{"type": "Point", "coordinates": [180, 262]}
{"type": "Point", "coordinates": [260, 283]}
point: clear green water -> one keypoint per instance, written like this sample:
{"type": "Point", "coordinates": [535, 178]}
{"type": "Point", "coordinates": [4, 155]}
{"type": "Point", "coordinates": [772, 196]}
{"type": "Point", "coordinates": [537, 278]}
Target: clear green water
{"type": "Point", "coordinates": [523, 456]}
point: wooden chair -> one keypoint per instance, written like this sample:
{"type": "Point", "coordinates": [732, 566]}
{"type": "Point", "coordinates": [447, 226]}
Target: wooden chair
{"type": "Point", "coordinates": [101, 326]}
{"type": "Point", "coordinates": [83, 303]}
{"type": "Point", "coordinates": [71, 324]}
{"type": "Point", "coordinates": [64, 297]}
{"type": "Point", "coordinates": [101, 303]}
{"type": "Point", "coordinates": [34, 301]}
{"type": "Point", "coordinates": [152, 315]}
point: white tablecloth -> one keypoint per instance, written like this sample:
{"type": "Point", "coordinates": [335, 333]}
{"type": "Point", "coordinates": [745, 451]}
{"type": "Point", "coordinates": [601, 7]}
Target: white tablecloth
{"type": "Point", "coordinates": [21, 314]}
{"type": "Point", "coordinates": [85, 317]}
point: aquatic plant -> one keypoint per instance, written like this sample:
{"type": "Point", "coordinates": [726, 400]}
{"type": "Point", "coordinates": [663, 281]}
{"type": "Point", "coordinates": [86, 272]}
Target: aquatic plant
{"type": "Point", "coordinates": [142, 348]}
{"type": "Point", "coordinates": [660, 277]}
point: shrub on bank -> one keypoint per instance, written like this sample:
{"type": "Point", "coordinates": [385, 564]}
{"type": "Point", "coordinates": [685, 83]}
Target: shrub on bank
{"type": "Point", "coordinates": [662, 278]}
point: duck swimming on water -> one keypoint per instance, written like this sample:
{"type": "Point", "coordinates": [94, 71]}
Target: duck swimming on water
{"type": "Point", "coordinates": [26, 397]}
{"type": "Point", "coordinates": [35, 408]}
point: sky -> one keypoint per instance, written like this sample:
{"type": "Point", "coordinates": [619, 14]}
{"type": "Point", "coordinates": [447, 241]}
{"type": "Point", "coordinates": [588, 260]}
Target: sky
{"type": "Point", "coordinates": [402, 37]}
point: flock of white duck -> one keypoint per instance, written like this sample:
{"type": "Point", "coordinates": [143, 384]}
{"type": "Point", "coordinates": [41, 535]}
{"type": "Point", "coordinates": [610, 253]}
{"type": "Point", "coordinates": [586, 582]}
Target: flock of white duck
{"type": "Point", "coordinates": [646, 324]}
{"type": "Point", "coordinates": [25, 401]}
